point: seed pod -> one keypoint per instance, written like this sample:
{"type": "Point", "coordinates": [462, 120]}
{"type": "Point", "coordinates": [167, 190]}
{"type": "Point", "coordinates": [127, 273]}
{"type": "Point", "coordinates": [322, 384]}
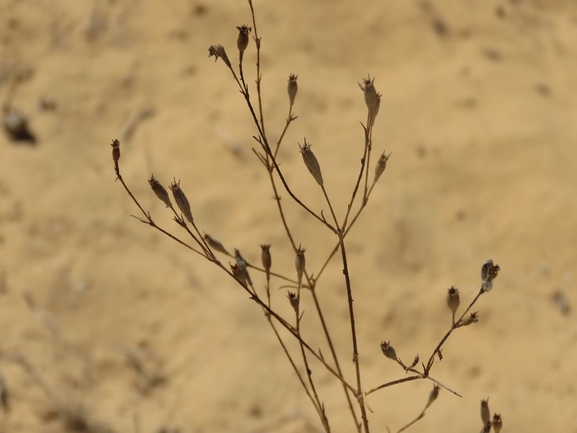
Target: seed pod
{"type": "Point", "coordinates": [238, 274]}
{"type": "Point", "coordinates": [292, 88]}
{"type": "Point", "coordinates": [242, 40]}
{"type": "Point", "coordinates": [381, 165]}
{"type": "Point", "coordinates": [433, 395]}
{"type": "Point", "coordinates": [294, 301]}
{"type": "Point", "coordinates": [497, 423]}
{"type": "Point", "coordinates": [415, 362]}
{"type": "Point", "coordinates": [242, 265]}
{"type": "Point", "coordinates": [215, 244]}
{"type": "Point", "coordinates": [489, 271]}
{"type": "Point", "coordinates": [453, 299]}
{"type": "Point", "coordinates": [372, 98]}
{"type": "Point", "coordinates": [470, 319]}
{"type": "Point", "coordinates": [300, 264]}
{"type": "Point", "coordinates": [160, 191]}
{"type": "Point", "coordinates": [115, 152]}
{"type": "Point", "coordinates": [266, 258]}
{"type": "Point", "coordinates": [219, 51]}
{"type": "Point", "coordinates": [485, 412]}
{"type": "Point", "coordinates": [181, 200]}
{"type": "Point", "coordinates": [388, 350]}
{"type": "Point", "coordinates": [311, 162]}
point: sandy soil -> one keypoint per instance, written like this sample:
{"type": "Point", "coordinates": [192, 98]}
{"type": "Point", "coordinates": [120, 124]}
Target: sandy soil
{"type": "Point", "coordinates": [108, 320]}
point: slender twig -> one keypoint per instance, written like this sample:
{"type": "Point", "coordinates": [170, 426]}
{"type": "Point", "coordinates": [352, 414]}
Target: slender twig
{"type": "Point", "coordinates": [454, 326]}
{"type": "Point", "coordinates": [360, 396]}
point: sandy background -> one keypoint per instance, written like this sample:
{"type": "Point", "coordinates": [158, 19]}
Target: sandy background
{"type": "Point", "coordinates": [479, 107]}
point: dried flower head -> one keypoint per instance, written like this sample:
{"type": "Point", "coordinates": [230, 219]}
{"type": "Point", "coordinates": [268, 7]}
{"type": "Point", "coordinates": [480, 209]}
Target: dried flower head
{"type": "Point", "coordinates": [388, 350]}
{"type": "Point", "coordinates": [181, 200]}
{"type": "Point", "coordinates": [372, 98]}
{"type": "Point", "coordinates": [160, 191]}
{"type": "Point", "coordinates": [215, 244]}
{"type": "Point", "coordinates": [415, 362]}
{"type": "Point", "coordinates": [311, 162]}
{"type": "Point", "coordinates": [470, 319]}
{"type": "Point", "coordinates": [242, 40]}
{"type": "Point", "coordinates": [485, 412]}
{"type": "Point", "coordinates": [489, 271]}
{"type": "Point", "coordinates": [238, 274]}
{"type": "Point", "coordinates": [218, 52]}
{"type": "Point", "coordinates": [300, 264]}
{"type": "Point", "coordinates": [266, 258]}
{"type": "Point", "coordinates": [294, 301]}
{"type": "Point", "coordinates": [241, 262]}
{"type": "Point", "coordinates": [115, 152]}
{"type": "Point", "coordinates": [381, 166]}
{"type": "Point", "coordinates": [453, 299]}
{"type": "Point", "coordinates": [292, 88]}
{"type": "Point", "coordinates": [497, 423]}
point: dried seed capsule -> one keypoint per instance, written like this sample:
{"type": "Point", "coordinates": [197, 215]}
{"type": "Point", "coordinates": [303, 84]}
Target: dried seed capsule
{"type": "Point", "coordinates": [219, 51]}
{"type": "Point", "coordinates": [300, 264]}
{"type": "Point", "coordinates": [242, 265]}
{"type": "Point", "coordinates": [497, 423]}
{"type": "Point", "coordinates": [181, 200]}
{"type": "Point", "coordinates": [485, 412]}
{"type": "Point", "coordinates": [372, 98]}
{"type": "Point", "coordinates": [242, 40]}
{"type": "Point", "coordinates": [160, 191]}
{"type": "Point", "coordinates": [489, 271]}
{"type": "Point", "coordinates": [238, 274]}
{"type": "Point", "coordinates": [215, 244]}
{"type": "Point", "coordinates": [388, 350]}
{"type": "Point", "coordinates": [453, 299]}
{"type": "Point", "coordinates": [115, 152]}
{"type": "Point", "coordinates": [294, 301]}
{"type": "Point", "coordinates": [381, 166]}
{"type": "Point", "coordinates": [470, 319]}
{"type": "Point", "coordinates": [266, 258]}
{"type": "Point", "coordinates": [433, 395]}
{"type": "Point", "coordinates": [292, 88]}
{"type": "Point", "coordinates": [311, 162]}
{"type": "Point", "coordinates": [415, 362]}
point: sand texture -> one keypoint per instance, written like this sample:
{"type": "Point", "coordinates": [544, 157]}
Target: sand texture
{"type": "Point", "coordinates": [109, 326]}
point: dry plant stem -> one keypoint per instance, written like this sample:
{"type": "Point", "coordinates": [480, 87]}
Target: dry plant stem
{"type": "Point", "coordinates": [289, 120]}
{"type": "Point", "coordinates": [345, 233]}
{"type": "Point", "coordinates": [258, 74]}
{"type": "Point", "coordinates": [369, 146]}
{"type": "Point", "coordinates": [317, 403]}
{"type": "Point", "coordinates": [419, 417]}
{"type": "Point", "coordinates": [253, 296]}
{"type": "Point", "coordinates": [454, 326]}
{"type": "Point", "coordinates": [316, 302]}
{"type": "Point", "coordinates": [180, 220]}
{"type": "Point", "coordinates": [395, 382]}
{"type": "Point", "coordinates": [359, 179]}
{"type": "Point", "coordinates": [359, 393]}
{"type": "Point", "coordinates": [292, 363]}
{"type": "Point", "coordinates": [149, 221]}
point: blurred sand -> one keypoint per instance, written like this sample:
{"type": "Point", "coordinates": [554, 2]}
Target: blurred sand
{"type": "Point", "coordinates": [479, 107]}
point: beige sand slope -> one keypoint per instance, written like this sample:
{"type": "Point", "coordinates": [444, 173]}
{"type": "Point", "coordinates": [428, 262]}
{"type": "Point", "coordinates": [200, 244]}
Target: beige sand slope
{"type": "Point", "coordinates": [479, 108]}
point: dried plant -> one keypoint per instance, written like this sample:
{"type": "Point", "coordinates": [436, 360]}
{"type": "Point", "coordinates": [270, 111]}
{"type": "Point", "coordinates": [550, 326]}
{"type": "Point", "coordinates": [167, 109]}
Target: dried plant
{"type": "Point", "coordinates": [354, 390]}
